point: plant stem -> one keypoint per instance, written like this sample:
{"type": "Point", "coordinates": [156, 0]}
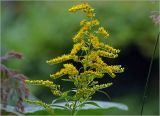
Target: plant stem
{"type": "Point", "coordinates": [74, 108]}
{"type": "Point", "coordinates": [148, 76]}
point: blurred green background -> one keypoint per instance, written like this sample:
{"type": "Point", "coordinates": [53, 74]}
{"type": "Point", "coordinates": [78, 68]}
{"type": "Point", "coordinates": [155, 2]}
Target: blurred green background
{"type": "Point", "coordinates": [43, 30]}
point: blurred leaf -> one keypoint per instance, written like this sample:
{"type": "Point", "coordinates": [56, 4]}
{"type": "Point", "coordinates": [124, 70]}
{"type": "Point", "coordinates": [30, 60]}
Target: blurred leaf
{"type": "Point", "coordinates": [90, 103]}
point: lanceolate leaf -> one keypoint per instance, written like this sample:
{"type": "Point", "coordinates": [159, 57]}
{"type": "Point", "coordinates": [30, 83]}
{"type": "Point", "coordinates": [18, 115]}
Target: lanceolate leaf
{"type": "Point", "coordinates": [105, 94]}
{"type": "Point", "coordinates": [90, 103]}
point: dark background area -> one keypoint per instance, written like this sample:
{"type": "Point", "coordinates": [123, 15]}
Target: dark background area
{"type": "Point", "coordinates": [43, 30]}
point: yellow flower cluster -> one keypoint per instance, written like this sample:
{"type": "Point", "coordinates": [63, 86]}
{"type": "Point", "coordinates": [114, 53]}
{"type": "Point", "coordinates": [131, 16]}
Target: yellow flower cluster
{"type": "Point", "coordinates": [85, 7]}
{"type": "Point", "coordinates": [84, 93]}
{"type": "Point", "coordinates": [117, 68]}
{"type": "Point", "coordinates": [93, 56]}
{"type": "Point", "coordinates": [102, 31]}
{"type": "Point", "coordinates": [106, 54]}
{"type": "Point", "coordinates": [89, 23]}
{"type": "Point", "coordinates": [68, 69]}
{"type": "Point", "coordinates": [77, 47]}
{"type": "Point", "coordinates": [102, 86]}
{"type": "Point", "coordinates": [87, 92]}
{"type": "Point", "coordinates": [88, 76]}
{"type": "Point", "coordinates": [109, 48]}
{"type": "Point", "coordinates": [56, 92]}
{"type": "Point", "coordinates": [39, 103]}
{"type": "Point", "coordinates": [54, 87]}
{"type": "Point", "coordinates": [78, 37]}
{"type": "Point", "coordinates": [46, 83]}
{"type": "Point", "coordinates": [91, 73]}
{"type": "Point", "coordinates": [108, 69]}
{"type": "Point", "coordinates": [99, 45]}
{"type": "Point", "coordinates": [94, 41]}
{"type": "Point", "coordinates": [62, 58]}
{"type": "Point", "coordinates": [96, 62]}
{"type": "Point", "coordinates": [92, 50]}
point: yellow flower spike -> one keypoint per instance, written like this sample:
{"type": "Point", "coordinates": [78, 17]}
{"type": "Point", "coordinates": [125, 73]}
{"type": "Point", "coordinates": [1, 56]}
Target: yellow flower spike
{"type": "Point", "coordinates": [117, 68]}
{"type": "Point", "coordinates": [94, 41]}
{"type": "Point", "coordinates": [92, 73]}
{"type": "Point", "coordinates": [83, 22]}
{"type": "Point", "coordinates": [68, 69]}
{"type": "Point", "coordinates": [94, 57]}
{"type": "Point", "coordinates": [77, 7]}
{"type": "Point", "coordinates": [89, 23]}
{"type": "Point", "coordinates": [56, 92]}
{"type": "Point", "coordinates": [71, 69]}
{"type": "Point", "coordinates": [59, 59]}
{"type": "Point", "coordinates": [40, 103]}
{"type": "Point", "coordinates": [95, 22]}
{"type": "Point", "coordinates": [107, 54]}
{"type": "Point", "coordinates": [102, 86]}
{"type": "Point", "coordinates": [85, 7]}
{"type": "Point", "coordinates": [102, 31]}
{"type": "Point", "coordinates": [79, 36]}
{"type": "Point", "coordinates": [58, 74]}
{"type": "Point", "coordinates": [46, 83]}
{"type": "Point", "coordinates": [108, 70]}
{"type": "Point", "coordinates": [76, 48]}
{"type": "Point", "coordinates": [109, 48]}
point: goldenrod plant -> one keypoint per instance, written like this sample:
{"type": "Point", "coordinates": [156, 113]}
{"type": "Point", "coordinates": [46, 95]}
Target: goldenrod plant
{"type": "Point", "coordinates": [87, 50]}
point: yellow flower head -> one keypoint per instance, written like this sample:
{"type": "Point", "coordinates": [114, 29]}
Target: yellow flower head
{"type": "Point", "coordinates": [79, 36]}
{"type": "Point", "coordinates": [77, 47]}
{"type": "Point", "coordinates": [68, 69]}
{"type": "Point", "coordinates": [91, 73]}
{"type": "Point", "coordinates": [95, 22]}
{"type": "Point", "coordinates": [62, 59]}
{"type": "Point", "coordinates": [106, 54]}
{"type": "Point", "coordinates": [108, 69]}
{"type": "Point", "coordinates": [117, 68]}
{"type": "Point", "coordinates": [46, 83]}
{"type": "Point", "coordinates": [77, 7]}
{"type": "Point", "coordinates": [109, 48]}
{"type": "Point", "coordinates": [85, 7]}
{"type": "Point", "coordinates": [83, 22]}
{"type": "Point", "coordinates": [102, 31]}
{"type": "Point", "coordinates": [94, 41]}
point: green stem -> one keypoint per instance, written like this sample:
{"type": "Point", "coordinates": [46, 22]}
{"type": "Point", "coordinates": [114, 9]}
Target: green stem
{"type": "Point", "coordinates": [74, 108]}
{"type": "Point", "coordinates": [148, 76]}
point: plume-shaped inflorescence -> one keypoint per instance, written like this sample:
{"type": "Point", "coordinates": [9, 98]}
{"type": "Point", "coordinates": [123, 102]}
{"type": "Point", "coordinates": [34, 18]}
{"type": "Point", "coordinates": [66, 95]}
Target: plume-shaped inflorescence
{"type": "Point", "coordinates": [88, 50]}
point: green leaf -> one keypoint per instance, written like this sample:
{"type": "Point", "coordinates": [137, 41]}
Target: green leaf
{"type": "Point", "coordinates": [90, 103]}
{"type": "Point", "coordinates": [105, 94]}
{"type": "Point", "coordinates": [59, 106]}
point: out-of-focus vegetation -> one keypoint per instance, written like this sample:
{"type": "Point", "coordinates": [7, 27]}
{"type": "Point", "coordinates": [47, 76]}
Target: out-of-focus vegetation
{"type": "Point", "coordinates": [13, 87]}
{"type": "Point", "coordinates": [43, 30]}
